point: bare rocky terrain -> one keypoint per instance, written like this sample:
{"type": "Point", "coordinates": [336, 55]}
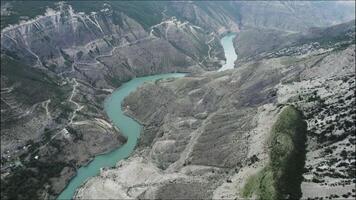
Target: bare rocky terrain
{"type": "Point", "coordinates": [213, 130]}
{"type": "Point", "coordinates": [59, 61]}
{"type": "Point", "coordinates": [57, 71]}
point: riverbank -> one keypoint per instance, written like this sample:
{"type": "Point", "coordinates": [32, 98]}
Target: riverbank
{"type": "Point", "coordinates": [127, 126]}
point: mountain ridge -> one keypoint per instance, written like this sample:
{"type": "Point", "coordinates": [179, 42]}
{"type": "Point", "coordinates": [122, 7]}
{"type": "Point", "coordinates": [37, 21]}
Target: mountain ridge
{"type": "Point", "coordinates": [213, 133]}
{"type": "Point", "coordinates": [75, 55]}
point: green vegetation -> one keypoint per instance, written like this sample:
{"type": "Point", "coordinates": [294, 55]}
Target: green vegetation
{"type": "Point", "coordinates": [26, 182]}
{"type": "Point", "coordinates": [282, 177]}
{"type": "Point", "coordinates": [290, 60]}
{"type": "Point", "coordinates": [288, 152]}
{"type": "Point", "coordinates": [19, 9]}
{"type": "Point", "coordinates": [145, 12]}
{"type": "Point", "coordinates": [326, 37]}
{"type": "Point", "coordinates": [33, 176]}
{"type": "Point", "coordinates": [250, 185]}
{"type": "Point", "coordinates": [261, 185]}
{"type": "Point", "coordinates": [31, 86]}
{"type": "Point", "coordinates": [35, 83]}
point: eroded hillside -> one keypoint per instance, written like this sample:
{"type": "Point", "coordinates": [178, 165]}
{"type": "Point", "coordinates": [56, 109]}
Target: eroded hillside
{"type": "Point", "coordinates": [214, 134]}
{"type": "Point", "coordinates": [56, 72]}
{"type": "Point", "coordinates": [59, 61]}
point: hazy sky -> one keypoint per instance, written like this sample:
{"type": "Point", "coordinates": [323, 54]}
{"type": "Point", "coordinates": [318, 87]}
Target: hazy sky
{"type": "Point", "coordinates": [351, 2]}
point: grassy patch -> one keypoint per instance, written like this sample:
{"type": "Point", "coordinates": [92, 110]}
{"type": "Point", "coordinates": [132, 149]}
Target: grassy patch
{"type": "Point", "coordinates": [290, 60]}
{"type": "Point", "coordinates": [282, 177]}
{"type": "Point", "coordinates": [251, 185]}
{"type": "Point", "coordinates": [260, 185]}
{"type": "Point", "coordinates": [35, 85]}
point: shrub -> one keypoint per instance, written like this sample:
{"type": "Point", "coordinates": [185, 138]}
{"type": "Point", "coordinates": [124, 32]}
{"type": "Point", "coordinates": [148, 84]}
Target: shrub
{"type": "Point", "coordinates": [282, 177]}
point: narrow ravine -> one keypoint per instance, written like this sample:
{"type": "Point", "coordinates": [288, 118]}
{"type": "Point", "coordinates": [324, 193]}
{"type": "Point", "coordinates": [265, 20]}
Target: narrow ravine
{"type": "Point", "coordinates": [128, 126]}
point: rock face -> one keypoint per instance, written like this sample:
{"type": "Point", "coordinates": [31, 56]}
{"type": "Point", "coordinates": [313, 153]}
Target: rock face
{"type": "Point", "coordinates": [60, 60]}
{"type": "Point", "coordinates": [208, 134]}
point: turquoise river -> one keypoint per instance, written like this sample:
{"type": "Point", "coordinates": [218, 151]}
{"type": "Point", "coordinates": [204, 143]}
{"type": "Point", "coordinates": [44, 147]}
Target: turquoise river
{"type": "Point", "coordinates": [128, 127]}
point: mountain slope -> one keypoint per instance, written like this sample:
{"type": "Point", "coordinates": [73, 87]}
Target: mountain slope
{"type": "Point", "coordinates": [258, 43]}
{"type": "Point", "coordinates": [59, 61]}
{"type": "Point", "coordinates": [214, 131]}
{"type": "Point", "coordinates": [56, 72]}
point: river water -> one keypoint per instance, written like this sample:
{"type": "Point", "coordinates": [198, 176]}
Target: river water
{"type": "Point", "coordinates": [229, 50]}
{"type": "Point", "coordinates": [129, 127]}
